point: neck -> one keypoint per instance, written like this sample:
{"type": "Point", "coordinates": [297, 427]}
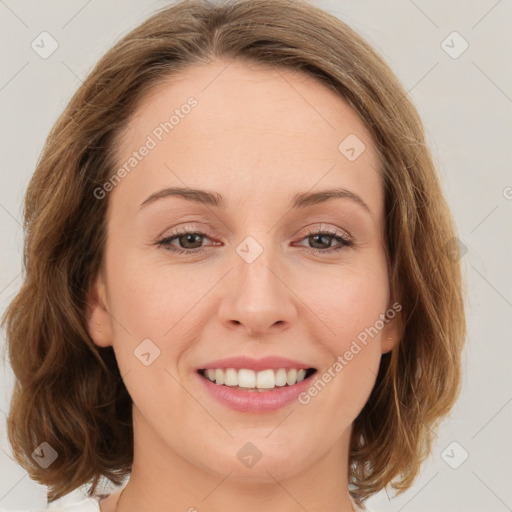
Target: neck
{"type": "Point", "coordinates": [162, 479]}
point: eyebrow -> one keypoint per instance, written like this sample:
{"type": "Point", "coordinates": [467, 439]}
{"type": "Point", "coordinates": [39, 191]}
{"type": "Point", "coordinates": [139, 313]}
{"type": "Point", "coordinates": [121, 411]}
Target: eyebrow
{"type": "Point", "coordinates": [300, 200]}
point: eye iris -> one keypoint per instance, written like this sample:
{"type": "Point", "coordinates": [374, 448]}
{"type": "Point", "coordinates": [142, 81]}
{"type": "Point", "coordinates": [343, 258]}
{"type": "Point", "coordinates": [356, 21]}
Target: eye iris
{"type": "Point", "coordinates": [189, 237]}
{"type": "Point", "coordinates": [321, 236]}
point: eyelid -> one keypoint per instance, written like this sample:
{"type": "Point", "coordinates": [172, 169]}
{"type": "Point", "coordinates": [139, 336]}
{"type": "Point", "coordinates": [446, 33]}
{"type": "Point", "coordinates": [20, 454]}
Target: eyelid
{"type": "Point", "coordinates": [329, 229]}
{"type": "Point", "coordinates": [313, 229]}
{"type": "Point", "coordinates": [189, 227]}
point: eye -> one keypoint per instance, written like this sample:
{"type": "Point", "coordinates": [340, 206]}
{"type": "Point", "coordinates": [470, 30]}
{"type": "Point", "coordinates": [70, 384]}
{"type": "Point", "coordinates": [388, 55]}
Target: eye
{"type": "Point", "coordinates": [190, 241]}
{"type": "Point", "coordinates": [322, 238]}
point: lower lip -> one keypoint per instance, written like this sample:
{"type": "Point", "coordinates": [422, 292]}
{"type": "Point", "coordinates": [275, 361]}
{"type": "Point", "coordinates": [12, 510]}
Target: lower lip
{"type": "Point", "coordinates": [256, 401]}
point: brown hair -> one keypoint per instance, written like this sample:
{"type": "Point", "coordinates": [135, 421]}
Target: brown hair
{"type": "Point", "coordinates": [68, 391]}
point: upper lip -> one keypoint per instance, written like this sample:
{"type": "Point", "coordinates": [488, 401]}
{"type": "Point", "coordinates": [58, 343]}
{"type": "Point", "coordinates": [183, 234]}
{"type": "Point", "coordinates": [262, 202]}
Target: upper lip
{"type": "Point", "coordinates": [269, 362]}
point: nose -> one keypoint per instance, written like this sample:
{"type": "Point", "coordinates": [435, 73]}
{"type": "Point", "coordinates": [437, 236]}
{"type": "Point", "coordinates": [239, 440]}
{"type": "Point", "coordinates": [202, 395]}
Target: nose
{"type": "Point", "coordinates": [258, 299]}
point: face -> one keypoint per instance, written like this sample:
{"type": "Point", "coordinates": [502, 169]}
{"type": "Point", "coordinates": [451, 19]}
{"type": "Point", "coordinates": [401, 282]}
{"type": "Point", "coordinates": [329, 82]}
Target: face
{"type": "Point", "coordinates": [264, 271]}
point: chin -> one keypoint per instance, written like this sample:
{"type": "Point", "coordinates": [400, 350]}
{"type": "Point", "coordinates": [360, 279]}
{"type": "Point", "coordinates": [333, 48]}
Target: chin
{"type": "Point", "coordinates": [259, 459]}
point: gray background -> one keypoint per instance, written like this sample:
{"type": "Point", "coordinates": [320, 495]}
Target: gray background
{"type": "Point", "coordinates": [466, 105]}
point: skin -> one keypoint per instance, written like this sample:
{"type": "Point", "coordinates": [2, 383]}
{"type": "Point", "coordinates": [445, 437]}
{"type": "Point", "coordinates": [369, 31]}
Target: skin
{"type": "Point", "coordinates": [257, 136]}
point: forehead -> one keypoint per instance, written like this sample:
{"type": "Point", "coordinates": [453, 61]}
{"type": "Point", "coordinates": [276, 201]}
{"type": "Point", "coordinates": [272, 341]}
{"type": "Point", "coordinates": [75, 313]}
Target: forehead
{"type": "Point", "coordinates": [253, 132]}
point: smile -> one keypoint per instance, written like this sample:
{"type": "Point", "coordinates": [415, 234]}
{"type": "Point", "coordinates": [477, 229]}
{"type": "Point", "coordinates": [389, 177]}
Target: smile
{"type": "Point", "coordinates": [250, 380]}
{"type": "Point", "coordinates": [251, 391]}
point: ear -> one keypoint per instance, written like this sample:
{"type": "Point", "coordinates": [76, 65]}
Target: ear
{"type": "Point", "coordinates": [393, 328]}
{"type": "Point", "coordinates": [98, 318]}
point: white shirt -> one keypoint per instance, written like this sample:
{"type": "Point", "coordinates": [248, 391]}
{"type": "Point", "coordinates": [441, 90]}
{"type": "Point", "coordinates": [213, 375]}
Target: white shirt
{"type": "Point", "coordinates": [88, 505]}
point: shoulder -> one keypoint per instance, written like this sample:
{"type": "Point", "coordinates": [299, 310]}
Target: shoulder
{"type": "Point", "coordinates": [87, 505]}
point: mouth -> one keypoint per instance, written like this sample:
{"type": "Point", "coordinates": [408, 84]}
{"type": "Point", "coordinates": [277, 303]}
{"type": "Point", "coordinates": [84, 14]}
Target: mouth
{"type": "Point", "coordinates": [245, 379]}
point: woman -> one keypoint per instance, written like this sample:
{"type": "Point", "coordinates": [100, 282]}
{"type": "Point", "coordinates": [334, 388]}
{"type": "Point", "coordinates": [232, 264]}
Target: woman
{"type": "Point", "coordinates": [237, 287]}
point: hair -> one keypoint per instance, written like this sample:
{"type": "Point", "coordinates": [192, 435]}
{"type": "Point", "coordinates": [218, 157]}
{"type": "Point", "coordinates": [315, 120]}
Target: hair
{"type": "Point", "coordinates": [69, 393]}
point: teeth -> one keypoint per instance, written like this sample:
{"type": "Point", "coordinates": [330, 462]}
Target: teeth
{"type": "Point", "coordinates": [246, 378]}
{"type": "Point", "coordinates": [281, 377]}
{"type": "Point", "coordinates": [265, 379]}
{"type": "Point", "coordinates": [230, 377]}
{"type": "Point", "coordinates": [292, 377]}
{"type": "Point", "coordinates": [219, 376]}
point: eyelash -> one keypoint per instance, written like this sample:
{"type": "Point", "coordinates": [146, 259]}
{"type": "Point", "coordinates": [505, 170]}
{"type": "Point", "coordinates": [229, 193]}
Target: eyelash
{"type": "Point", "coordinates": [344, 240]}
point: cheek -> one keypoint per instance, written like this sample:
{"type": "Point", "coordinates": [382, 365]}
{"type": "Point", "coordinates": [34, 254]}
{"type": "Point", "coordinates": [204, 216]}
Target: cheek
{"type": "Point", "coordinates": [150, 297]}
{"type": "Point", "coordinates": [347, 299]}
{"type": "Point", "coordinates": [151, 303]}
{"type": "Point", "coordinates": [151, 311]}
{"type": "Point", "coordinates": [338, 301]}
{"type": "Point", "coordinates": [349, 302]}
